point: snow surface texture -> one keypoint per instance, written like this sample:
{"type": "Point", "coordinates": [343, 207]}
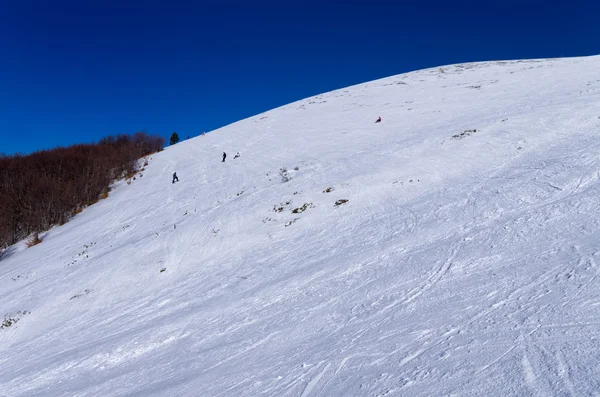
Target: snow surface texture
{"type": "Point", "coordinates": [465, 261]}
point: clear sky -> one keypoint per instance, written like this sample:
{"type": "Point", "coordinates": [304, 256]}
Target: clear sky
{"type": "Point", "coordinates": [74, 71]}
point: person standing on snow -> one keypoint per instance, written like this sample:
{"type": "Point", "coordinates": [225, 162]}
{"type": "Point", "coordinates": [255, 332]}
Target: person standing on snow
{"type": "Point", "coordinates": [224, 155]}
{"type": "Point", "coordinates": [175, 179]}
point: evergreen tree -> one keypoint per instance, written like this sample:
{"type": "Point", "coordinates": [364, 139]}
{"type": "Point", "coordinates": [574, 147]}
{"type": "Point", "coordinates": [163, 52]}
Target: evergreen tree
{"type": "Point", "coordinates": [174, 139]}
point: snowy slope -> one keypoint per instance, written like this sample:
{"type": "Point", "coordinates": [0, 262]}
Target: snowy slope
{"type": "Point", "coordinates": [463, 263]}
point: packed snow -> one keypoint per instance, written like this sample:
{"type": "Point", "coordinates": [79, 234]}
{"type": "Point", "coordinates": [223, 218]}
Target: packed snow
{"type": "Point", "coordinates": [451, 249]}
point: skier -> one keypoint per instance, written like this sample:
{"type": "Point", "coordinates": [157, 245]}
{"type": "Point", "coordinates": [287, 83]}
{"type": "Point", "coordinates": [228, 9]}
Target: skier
{"type": "Point", "coordinates": [378, 120]}
{"type": "Point", "coordinates": [236, 155]}
{"type": "Point", "coordinates": [175, 179]}
{"type": "Point", "coordinates": [224, 155]}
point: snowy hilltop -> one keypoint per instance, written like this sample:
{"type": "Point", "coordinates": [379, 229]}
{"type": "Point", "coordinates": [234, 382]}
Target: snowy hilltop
{"type": "Point", "coordinates": [450, 249]}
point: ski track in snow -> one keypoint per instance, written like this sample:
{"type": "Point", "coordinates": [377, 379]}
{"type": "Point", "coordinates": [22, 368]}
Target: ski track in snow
{"type": "Point", "coordinates": [463, 263]}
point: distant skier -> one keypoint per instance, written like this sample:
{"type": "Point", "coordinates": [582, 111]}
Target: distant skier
{"type": "Point", "coordinates": [175, 179]}
{"type": "Point", "coordinates": [224, 156]}
{"type": "Point", "coordinates": [236, 155]}
{"type": "Point", "coordinates": [378, 120]}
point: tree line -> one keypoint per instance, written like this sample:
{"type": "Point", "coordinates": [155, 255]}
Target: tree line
{"type": "Point", "coordinates": [48, 187]}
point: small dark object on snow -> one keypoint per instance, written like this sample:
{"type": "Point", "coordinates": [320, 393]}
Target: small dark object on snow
{"type": "Point", "coordinates": [304, 207]}
{"type": "Point", "coordinates": [236, 155]}
{"type": "Point", "coordinates": [175, 179]}
{"type": "Point", "coordinates": [378, 120]}
{"type": "Point", "coordinates": [464, 134]}
{"type": "Point", "coordinates": [224, 156]}
{"type": "Point", "coordinates": [340, 202]}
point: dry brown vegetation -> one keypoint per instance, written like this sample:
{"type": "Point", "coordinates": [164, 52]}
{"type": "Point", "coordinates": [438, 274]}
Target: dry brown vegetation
{"type": "Point", "coordinates": [34, 240]}
{"type": "Point", "coordinates": [46, 188]}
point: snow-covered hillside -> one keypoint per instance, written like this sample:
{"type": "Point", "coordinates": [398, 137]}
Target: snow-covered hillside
{"type": "Point", "coordinates": [464, 262]}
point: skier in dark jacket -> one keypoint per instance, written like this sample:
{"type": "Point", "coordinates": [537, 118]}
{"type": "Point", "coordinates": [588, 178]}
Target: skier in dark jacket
{"type": "Point", "coordinates": [378, 120]}
{"type": "Point", "coordinates": [224, 155]}
{"type": "Point", "coordinates": [175, 179]}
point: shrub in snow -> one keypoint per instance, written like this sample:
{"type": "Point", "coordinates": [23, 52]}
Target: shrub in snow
{"type": "Point", "coordinates": [130, 174]}
{"type": "Point", "coordinates": [464, 134]}
{"type": "Point", "coordinates": [281, 206]}
{"type": "Point", "coordinates": [12, 319]}
{"type": "Point", "coordinates": [340, 202]}
{"type": "Point", "coordinates": [34, 240]}
{"type": "Point", "coordinates": [304, 207]}
{"type": "Point", "coordinates": [93, 201]}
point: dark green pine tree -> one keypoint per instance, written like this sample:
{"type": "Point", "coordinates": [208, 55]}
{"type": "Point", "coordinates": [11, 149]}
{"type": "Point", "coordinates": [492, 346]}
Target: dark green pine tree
{"type": "Point", "coordinates": [174, 139]}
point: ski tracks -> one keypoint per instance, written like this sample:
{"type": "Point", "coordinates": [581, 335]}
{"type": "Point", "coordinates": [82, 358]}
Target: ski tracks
{"type": "Point", "coordinates": [564, 373]}
{"type": "Point", "coordinates": [517, 343]}
{"type": "Point", "coordinates": [314, 382]}
{"type": "Point", "coordinates": [434, 278]}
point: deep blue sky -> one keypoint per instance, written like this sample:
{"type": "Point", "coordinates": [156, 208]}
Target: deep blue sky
{"type": "Point", "coordinates": [74, 71]}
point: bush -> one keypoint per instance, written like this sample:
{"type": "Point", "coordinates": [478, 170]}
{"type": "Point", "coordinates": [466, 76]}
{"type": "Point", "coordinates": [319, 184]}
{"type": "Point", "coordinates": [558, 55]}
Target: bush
{"type": "Point", "coordinates": [304, 207]}
{"type": "Point", "coordinates": [464, 134]}
{"type": "Point", "coordinates": [130, 174]}
{"type": "Point", "coordinates": [12, 319]}
{"type": "Point", "coordinates": [34, 240]}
